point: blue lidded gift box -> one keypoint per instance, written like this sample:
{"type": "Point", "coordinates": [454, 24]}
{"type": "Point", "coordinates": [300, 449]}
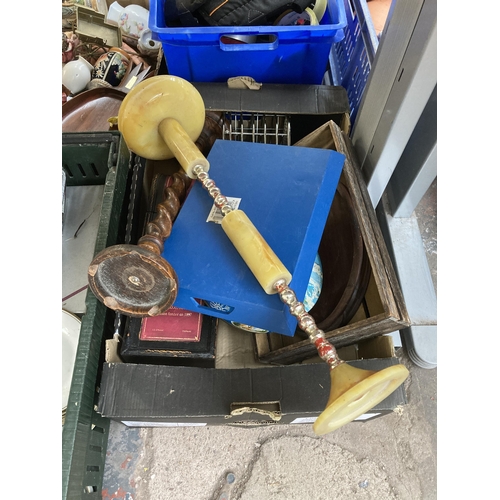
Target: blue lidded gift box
{"type": "Point", "coordinates": [287, 192]}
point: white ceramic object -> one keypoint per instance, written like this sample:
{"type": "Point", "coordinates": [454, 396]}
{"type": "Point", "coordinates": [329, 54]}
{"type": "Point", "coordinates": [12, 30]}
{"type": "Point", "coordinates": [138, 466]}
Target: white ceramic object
{"type": "Point", "coordinates": [146, 45]}
{"type": "Point", "coordinates": [77, 74]}
{"type": "Point", "coordinates": [132, 20]}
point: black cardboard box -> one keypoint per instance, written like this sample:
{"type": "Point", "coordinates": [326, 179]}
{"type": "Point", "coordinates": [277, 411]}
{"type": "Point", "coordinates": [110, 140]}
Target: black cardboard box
{"type": "Point", "coordinates": [239, 391]}
{"type": "Point", "coordinates": [163, 396]}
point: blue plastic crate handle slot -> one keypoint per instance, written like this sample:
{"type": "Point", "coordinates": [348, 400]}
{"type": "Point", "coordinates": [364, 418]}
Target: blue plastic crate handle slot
{"type": "Point", "coordinates": [237, 47]}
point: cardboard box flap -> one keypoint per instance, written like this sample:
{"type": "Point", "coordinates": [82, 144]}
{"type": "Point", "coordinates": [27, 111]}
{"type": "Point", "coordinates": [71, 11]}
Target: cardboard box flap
{"type": "Point", "coordinates": [235, 348]}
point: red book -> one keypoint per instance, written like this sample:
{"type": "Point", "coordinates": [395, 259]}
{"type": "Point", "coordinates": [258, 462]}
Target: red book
{"type": "Point", "coordinates": [173, 326]}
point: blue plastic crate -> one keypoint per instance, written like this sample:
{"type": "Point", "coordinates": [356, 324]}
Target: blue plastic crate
{"type": "Point", "coordinates": [296, 54]}
{"type": "Point", "coordinates": [352, 57]}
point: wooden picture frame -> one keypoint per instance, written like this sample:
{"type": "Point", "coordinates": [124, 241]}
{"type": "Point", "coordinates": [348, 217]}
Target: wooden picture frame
{"type": "Point", "coordinates": [383, 309]}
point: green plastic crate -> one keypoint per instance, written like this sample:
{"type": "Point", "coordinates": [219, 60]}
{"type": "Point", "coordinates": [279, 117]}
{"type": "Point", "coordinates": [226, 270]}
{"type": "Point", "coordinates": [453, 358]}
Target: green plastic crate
{"type": "Point", "coordinates": [92, 158]}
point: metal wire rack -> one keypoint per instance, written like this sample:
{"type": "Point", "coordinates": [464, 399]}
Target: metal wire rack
{"type": "Point", "coordinates": [257, 127]}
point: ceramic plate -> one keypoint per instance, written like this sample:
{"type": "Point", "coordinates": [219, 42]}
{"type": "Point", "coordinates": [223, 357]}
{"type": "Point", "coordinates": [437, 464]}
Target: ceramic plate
{"type": "Point", "coordinates": [70, 335]}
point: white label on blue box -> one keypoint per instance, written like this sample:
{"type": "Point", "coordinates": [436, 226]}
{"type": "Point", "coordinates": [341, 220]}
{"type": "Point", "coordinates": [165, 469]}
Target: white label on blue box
{"type": "Point", "coordinates": [304, 420]}
{"type": "Point", "coordinates": [162, 424]}
{"type": "Point", "coordinates": [215, 214]}
{"type": "Point", "coordinates": [311, 420]}
{"type": "Point", "coordinates": [366, 416]}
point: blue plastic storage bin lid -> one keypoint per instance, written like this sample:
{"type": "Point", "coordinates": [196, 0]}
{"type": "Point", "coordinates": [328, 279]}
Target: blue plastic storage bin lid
{"type": "Point", "coordinates": [287, 192]}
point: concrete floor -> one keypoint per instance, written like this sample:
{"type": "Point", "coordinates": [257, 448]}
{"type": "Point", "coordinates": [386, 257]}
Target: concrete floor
{"type": "Point", "coordinates": [390, 457]}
